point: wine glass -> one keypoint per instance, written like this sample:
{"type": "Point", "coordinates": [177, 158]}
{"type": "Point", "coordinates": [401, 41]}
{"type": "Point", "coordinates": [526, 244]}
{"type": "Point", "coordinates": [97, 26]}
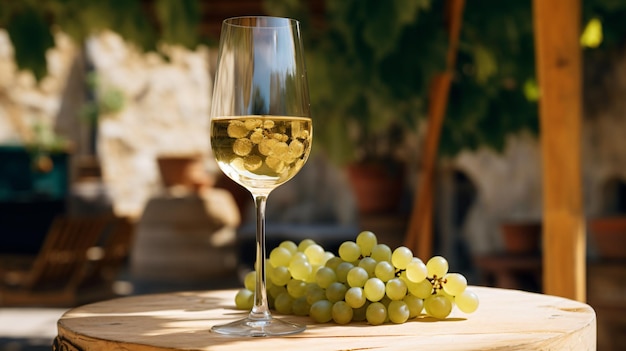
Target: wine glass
{"type": "Point", "coordinates": [261, 131]}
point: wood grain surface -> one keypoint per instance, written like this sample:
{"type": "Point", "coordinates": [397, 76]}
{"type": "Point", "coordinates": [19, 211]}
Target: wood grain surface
{"type": "Point", "coordinates": [505, 320]}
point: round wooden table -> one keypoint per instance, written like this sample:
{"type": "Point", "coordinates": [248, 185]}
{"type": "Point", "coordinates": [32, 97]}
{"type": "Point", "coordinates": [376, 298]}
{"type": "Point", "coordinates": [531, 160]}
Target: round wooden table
{"type": "Point", "coordinates": [506, 319]}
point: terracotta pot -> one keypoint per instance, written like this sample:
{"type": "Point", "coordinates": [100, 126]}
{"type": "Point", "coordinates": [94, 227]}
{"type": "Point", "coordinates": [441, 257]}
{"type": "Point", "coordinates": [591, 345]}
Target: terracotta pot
{"type": "Point", "coordinates": [183, 171]}
{"type": "Point", "coordinates": [609, 236]}
{"type": "Point", "coordinates": [376, 188]}
{"type": "Point", "coordinates": [523, 238]}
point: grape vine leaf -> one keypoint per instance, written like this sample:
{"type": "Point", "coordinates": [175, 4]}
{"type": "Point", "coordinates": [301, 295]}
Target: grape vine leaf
{"type": "Point", "coordinates": [31, 39]}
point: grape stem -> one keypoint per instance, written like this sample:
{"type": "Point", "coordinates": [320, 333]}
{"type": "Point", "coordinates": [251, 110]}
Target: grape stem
{"type": "Point", "coordinates": [437, 283]}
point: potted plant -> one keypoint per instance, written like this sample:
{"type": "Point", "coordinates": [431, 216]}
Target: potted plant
{"type": "Point", "coordinates": [608, 234]}
{"type": "Point", "coordinates": [522, 237]}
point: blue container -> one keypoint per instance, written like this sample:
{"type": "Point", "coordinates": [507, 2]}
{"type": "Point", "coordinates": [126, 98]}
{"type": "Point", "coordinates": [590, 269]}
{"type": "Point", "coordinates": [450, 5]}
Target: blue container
{"type": "Point", "coordinates": [29, 198]}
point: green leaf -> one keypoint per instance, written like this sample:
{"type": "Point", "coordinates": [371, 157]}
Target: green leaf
{"type": "Point", "coordinates": [179, 21]}
{"type": "Point", "coordinates": [407, 10]}
{"type": "Point", "coordinates": [380, 31]}
{"type": "Point", "coordinates": [31, 38]}
{"type": "Point", "coordinates": [133, 24]}
{"type": "Point", "coordinates": [485, 61]}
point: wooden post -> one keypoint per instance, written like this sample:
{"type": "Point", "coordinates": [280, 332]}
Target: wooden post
{"type": "Point", "coordinates": [419, 236]}
{"type": "Point", "coordinates": [558, 57]}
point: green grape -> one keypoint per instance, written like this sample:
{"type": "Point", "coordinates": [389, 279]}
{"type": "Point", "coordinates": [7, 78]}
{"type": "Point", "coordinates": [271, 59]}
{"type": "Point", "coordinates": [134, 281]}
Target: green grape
{"type": "Point", "coordinates": [374, 289]}
{"type": "Point", "coordinates": [325, 276]}
{"type": "Point", "coordinates": [366, 281]}
{"type": "Point", "coordinates": [438, 306]}
{"type": "Point", "coordinates": [249, 281]}
{"type": "Point", "coordinates": [376, 313]}
{"type": "Point", "coordinates": [384, 271]}
{"type": "Point", "coordinates": [454, 283]}
{"type": "Point", "coordinates": [398, 311]}
{"type": "Point", "coordinates": [301, 306]}
{"type": "Point", "coordinates": [276, 290]}
{"type": "Point", "coordinates": [244, 300]}
{"type": "Point", "coordinates": [315, 294]}
{"type": "Point", "coordinates": [279, 275]}
{"type": "Point", "coordinates": [369, 264]}
{"type": "Point", "coordinates": [416, 270]}
{"type": "Point", "coordinates": [358, 314]}
{"type": "Point", "coordinates": [280, 256]}
{"type": "Point", "coordinates": [437, 267]}
{"type": "Point", "coordinates": [381, 252]}
{"type": "Point", "coordinates": [327, 256]}
{"type": "Point", "coordinates": [415, 304]}
{"type": "Point", "coordinates": [467, 301]}
{"type": "Point", "coordinates": [401, 257]}
{"type": "Point", "coordinates": [296, 288]}
{"type": "Point", "coordinates": [402, 276]}
{"type": "Point", "coordinates": [300, 269]}
{"type": "Point", "coordinates": [355, 297]}
{"type": "Point", "coordinates": [396, 289]}
{"type": "Point", "coordinates": [284, 303]}
{"type": "Point", "coordinates": [315, 254]}
{"type": "Point", "coordinates": [366, 241]}
{"type": "Point", "coordinates": [342, 271]}
{"type": "Point", "coordinates": [385, 300]}
{"type": "Point", "coordinates": [333, 262]}
{"type": "Point", "coordinates": [311, 286]}
{"type": "Point", "coordinates": [341, 312]}
{"type": "Point", "coordinates": [312, 275]}
{"type": "Point", "coordinates": [290, 246]}
{"type": "Point", "coordinates": [304, 244]}
{"type": "Point", "coordinates": [446, 295]}
{"type": "Point", "coordinates": [349, 251]}
{"type": "Point", "coordinates": [422, 289]}
{"type": "Point", "coordinates": [336, 292]}
{"type": "Point", "coordinates": [357, 277]}
{"type": "Point", "coordinates": [298, 256]}
{"type": "Point", "coordinates": [321, 311]}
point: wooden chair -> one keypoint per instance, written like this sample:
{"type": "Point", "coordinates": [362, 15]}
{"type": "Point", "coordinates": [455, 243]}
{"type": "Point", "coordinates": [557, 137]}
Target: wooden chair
{"type": "Point", "coordinates": [56, 272]}
{"type": "Point", "coordinates": [106, 260]}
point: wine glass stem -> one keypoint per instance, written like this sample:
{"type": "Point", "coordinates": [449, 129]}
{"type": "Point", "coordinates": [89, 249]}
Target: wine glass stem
{"type": "Point", "coordinates": [260, 310]}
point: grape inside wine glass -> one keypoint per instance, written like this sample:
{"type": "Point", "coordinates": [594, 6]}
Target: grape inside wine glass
{"type": "Point", "coordinates": [261, 131]}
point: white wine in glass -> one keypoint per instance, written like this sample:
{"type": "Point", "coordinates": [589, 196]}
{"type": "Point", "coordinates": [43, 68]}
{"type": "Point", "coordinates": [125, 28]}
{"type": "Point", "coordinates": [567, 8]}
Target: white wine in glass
{"type": "Point", "coordinates": [261, 131]}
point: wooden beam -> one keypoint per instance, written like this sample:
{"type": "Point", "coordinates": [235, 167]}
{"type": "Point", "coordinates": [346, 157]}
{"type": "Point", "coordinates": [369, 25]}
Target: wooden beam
{"type": "Point", "coordinates": [558, 57]}
{"type": "Point", "coordinates": [419, 236]}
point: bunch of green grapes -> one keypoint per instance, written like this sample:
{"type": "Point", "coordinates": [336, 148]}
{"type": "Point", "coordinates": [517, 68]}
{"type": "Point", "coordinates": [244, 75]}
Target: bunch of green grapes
{"type": "Point", "coordinates": [367, 281]}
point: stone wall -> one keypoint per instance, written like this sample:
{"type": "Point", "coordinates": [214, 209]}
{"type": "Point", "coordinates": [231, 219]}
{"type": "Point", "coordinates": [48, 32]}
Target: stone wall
{"type": "Point", "coordinates": [26, 102]}
{"type": "Point", "coordinates": [165, 113]}
{"type": "Point", "coordinates": [508, 188]}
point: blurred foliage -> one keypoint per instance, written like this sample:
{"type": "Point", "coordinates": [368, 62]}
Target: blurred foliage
{"type": "Point", "coordinates": [491, 96]}
{"type": "Point", "coordinates": [106, 102]}
{"type": "Point", "coordinates": [495, 92]}
{"type": "Point", "coordinates": [370, 63]}
{"type": "Point", "coordinates": [31, 24]}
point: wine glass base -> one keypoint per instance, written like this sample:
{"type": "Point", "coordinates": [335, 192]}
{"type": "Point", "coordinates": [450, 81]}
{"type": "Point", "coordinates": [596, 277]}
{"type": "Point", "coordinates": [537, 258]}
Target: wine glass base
{"type": "Point", "coordinates": [258, 327]}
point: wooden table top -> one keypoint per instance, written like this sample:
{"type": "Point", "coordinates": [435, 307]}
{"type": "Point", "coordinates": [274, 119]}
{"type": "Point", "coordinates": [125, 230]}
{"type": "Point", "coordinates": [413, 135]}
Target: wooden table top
{"type": "Point", "coordinates": [505, 319]}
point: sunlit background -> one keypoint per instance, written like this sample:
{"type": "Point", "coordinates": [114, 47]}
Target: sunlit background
{"type": "Point", "coordinates": [104, 112]}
